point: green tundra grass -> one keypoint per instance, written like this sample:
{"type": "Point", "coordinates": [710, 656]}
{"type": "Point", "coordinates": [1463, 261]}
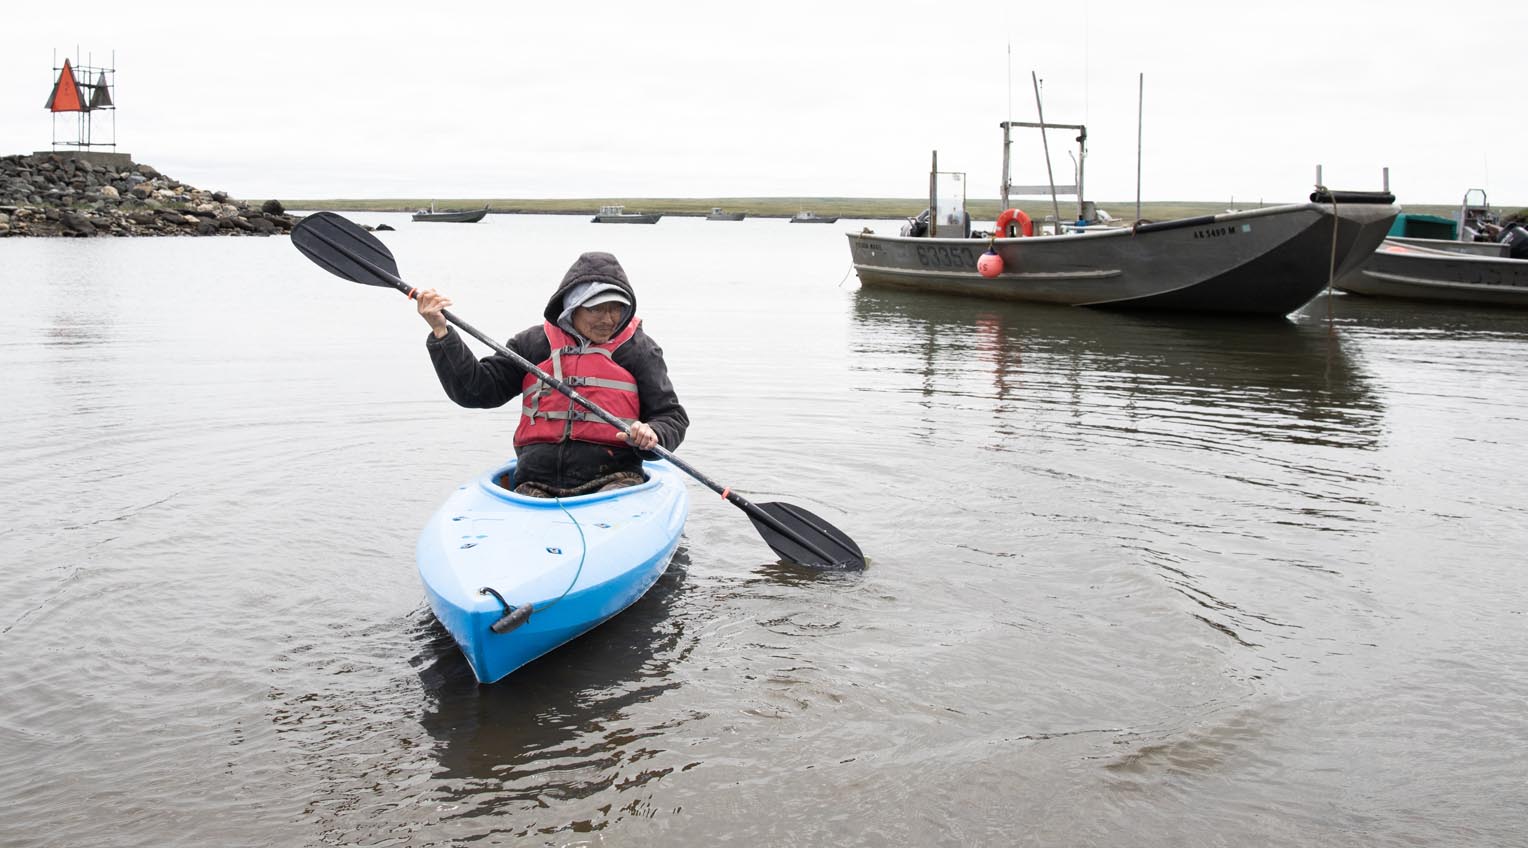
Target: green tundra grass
{"type": "Point", "coordinates": [782, 207]}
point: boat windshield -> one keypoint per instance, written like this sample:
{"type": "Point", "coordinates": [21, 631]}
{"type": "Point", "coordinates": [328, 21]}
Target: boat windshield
{"type": "Point", "coordinates": [948, 217]}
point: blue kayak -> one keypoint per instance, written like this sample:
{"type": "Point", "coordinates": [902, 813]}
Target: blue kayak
{"type": "Point", "coordinates": [512, 577]}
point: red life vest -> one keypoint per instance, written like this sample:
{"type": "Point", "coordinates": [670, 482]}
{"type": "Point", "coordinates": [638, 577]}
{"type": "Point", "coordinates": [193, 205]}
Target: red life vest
{"type": "Point", "coordinates": [545, 415]}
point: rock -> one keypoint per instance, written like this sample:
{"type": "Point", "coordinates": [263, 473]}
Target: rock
{"type": "Point", "coordinates": [385, 227]}
{"type": "Point", "coordinates": [76, 224]}
{"type": "Point", "coordinates": [273, 207]}
{"type": "Point", "coordinates": [58, 194]}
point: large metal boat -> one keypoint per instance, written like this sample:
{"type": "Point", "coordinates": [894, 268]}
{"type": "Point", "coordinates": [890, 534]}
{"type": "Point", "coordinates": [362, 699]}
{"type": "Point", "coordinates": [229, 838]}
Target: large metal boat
{"type": "Point", "coordinates": [470, 216]}
{"type": "Point", "coordinates": [1268, 261]}
{"type": "Point", "coordinates": [1481, 260]}
{"type": "Point", "coordinates": [619, 215]}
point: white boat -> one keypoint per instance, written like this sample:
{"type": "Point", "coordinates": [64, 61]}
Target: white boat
{"type": "Point", "coordinates": [806, 217]}
{"type": "Point", "coordinates": [619, 215]}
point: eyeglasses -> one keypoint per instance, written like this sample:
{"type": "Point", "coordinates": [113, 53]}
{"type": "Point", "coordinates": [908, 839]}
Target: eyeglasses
{"type": "Point", "coordinates": [609, 309]}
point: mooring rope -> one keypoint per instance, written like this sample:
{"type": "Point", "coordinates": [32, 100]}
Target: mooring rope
{"type": "Point", "coordinates": [1331, 271]}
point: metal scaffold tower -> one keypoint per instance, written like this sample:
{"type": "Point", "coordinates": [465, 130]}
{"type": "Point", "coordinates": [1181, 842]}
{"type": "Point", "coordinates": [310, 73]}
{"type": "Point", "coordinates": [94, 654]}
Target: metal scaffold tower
{"type": "Point", "coordinates": [97, 94]}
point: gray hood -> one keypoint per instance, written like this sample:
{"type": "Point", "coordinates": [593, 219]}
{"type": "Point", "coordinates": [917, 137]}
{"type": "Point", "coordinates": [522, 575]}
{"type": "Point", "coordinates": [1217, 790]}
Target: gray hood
{"type": "Point", "coordinates": [589, 275]}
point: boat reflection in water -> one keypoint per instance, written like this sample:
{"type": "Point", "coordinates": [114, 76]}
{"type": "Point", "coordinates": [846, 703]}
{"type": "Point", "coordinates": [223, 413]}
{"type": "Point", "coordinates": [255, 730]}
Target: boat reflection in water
{"type": "Point", "coordinates": [567, 726]}
{"type": "Point", "coordinates": [1226, 457]}
{"type": "Point", "coordinates": [1059, 373]}
{"type": "Point", "coordinates": [561, 723]}
{"type": "Point", "coordinates": [1358, 316]}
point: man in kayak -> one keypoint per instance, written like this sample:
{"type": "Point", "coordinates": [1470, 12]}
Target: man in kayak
{"type": "Point", "coordinates": [592, 340]}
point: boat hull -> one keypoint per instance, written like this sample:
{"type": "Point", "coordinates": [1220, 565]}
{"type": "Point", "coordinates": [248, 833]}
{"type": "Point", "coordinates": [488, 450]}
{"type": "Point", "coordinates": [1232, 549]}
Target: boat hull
{"type": "Point", "coordinates": [577, 561]}
{"type": "Point", "coordinates": [726, 216]}
{"type": "Point", "coordinates": [1442, 271]}
{"type": "Point", "coordinates": [451, 217]}
{"type": "Point", "coordinates": [626, 219]}
{"type": "Point", "coordinates": [1266, 261]}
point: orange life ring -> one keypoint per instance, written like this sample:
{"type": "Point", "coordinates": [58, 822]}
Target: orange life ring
{"type": "Point", "coordinates": [1009, 216]}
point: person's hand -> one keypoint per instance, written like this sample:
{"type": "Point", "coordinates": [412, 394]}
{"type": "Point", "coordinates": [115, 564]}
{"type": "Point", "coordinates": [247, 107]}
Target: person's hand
{"type": "Point", "coordinates": [641, 437]}
{"type": "Point", "coordinates": [431, 304]}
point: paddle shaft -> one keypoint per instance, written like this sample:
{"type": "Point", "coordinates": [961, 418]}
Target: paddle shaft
{"type": "Point", "coordinates": [732, 497]}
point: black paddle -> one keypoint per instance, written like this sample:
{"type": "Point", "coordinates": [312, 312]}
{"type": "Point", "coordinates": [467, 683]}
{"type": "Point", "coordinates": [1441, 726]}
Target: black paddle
{"type": "Point", "coordinates": [346, 250]}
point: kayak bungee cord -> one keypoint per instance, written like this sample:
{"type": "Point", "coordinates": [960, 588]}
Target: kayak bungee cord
{"type": "Point", "coordinates": [512, 616]}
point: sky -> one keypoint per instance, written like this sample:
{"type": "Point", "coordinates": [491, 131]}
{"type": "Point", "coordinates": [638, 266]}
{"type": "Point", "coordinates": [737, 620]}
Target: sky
{"type": "Point", "coordinates": [1217, 101]}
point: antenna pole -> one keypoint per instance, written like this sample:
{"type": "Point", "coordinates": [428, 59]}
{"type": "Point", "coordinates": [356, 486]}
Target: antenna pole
{"type": "Point", "coordinates": [1140, 102]}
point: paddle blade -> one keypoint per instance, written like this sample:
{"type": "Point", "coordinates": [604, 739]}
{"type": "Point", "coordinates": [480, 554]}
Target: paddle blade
{"type": "Point", "coordinates": [344, 248]}
{"type": "Point", "coordinates": [840, 550]}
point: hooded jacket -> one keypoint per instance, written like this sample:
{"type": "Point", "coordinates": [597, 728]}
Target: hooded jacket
{"type": "Point", "coordinates": [495, 380]}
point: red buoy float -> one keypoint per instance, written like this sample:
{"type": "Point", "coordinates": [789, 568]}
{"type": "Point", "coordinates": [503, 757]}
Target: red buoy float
{"type": "Point", "coordinates": [1011, 216]}
{"type": "Point", "coordinates": [990, 264]}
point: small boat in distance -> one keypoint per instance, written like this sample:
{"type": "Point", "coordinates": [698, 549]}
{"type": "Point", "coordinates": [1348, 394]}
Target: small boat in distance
{"type": "Point", "coordinates": [512, 577]}
{"type": "Point", "coordinates": [718, 215]}
{"type": "Point", "coordinates": [1268, 261]}
{"type": "Point", "coordinates": [1474, 259]}
{"type": "Point", "coordinates": [471, 216]}
{"type": "Point", "coordinates": [805, 217]}
{"type": "Point", "coordinates": [619, 215]}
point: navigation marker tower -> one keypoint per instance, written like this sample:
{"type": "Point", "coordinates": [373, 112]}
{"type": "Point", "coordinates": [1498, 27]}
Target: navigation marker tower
{"type": "Point", "coordinates": [96, 94]}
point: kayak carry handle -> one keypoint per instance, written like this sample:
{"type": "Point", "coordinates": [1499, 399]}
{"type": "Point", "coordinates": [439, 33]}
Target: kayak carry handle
{"type": "Point", "coordinates": [512, 618]}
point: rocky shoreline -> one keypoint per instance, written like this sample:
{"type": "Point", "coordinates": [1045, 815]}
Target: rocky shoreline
{"type": "Point", "coordinates": [59, 194]}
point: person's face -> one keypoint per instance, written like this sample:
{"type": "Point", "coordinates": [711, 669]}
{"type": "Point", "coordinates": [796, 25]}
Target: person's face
{"type": "Point", "coordinates": [597, 323]}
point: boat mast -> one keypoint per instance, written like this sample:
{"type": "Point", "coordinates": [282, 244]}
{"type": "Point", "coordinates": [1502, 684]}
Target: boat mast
{"type": "Point", "coordinates": [1004, 187]}
{"type": "Point", "coordinates": [933, 193]}
{"type": "Point", "coordinates": [1055, 204]}
{"type": "Point", "coordinates": [1082, 157]}
{"type": "Point", "coordinates": [1140, 100]}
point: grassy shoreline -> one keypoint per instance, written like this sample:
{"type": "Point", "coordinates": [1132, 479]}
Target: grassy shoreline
{"type": "Point", "coordinates": [781, 207]}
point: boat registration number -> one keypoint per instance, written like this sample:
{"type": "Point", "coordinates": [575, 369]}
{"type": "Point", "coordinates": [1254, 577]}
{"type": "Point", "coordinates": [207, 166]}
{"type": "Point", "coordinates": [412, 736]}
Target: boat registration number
{"type": "Point", "coordinates": [945, 256]}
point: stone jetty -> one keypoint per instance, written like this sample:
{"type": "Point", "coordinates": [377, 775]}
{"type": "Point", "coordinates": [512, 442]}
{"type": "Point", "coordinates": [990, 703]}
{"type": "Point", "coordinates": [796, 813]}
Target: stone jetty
{"type": "Point", "coordinates": [66, 194]}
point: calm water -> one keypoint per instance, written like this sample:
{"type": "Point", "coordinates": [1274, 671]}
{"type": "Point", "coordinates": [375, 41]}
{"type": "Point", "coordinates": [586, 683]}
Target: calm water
{"type": "Point", "coordinates": [1143, 581]}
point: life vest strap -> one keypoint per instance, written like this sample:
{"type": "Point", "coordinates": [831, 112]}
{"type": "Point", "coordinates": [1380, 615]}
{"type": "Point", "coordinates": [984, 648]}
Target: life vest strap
{"type": "Point", "coordinates": [579, 415]}
{"type": "Point", "coordinates": [576, 381]}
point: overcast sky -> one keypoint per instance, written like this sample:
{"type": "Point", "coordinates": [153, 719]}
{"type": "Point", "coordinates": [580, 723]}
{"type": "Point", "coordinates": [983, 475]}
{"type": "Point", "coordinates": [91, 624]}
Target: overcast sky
{"type": "Point", "coordinates": [656, 99]}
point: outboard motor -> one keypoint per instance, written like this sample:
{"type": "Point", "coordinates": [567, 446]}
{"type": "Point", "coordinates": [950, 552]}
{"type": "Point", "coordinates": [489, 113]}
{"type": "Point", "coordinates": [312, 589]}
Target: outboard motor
{"type": "Point", "coordinates": [1516, 239]}
{"type": "Point", "coordinates": [917, 227]}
